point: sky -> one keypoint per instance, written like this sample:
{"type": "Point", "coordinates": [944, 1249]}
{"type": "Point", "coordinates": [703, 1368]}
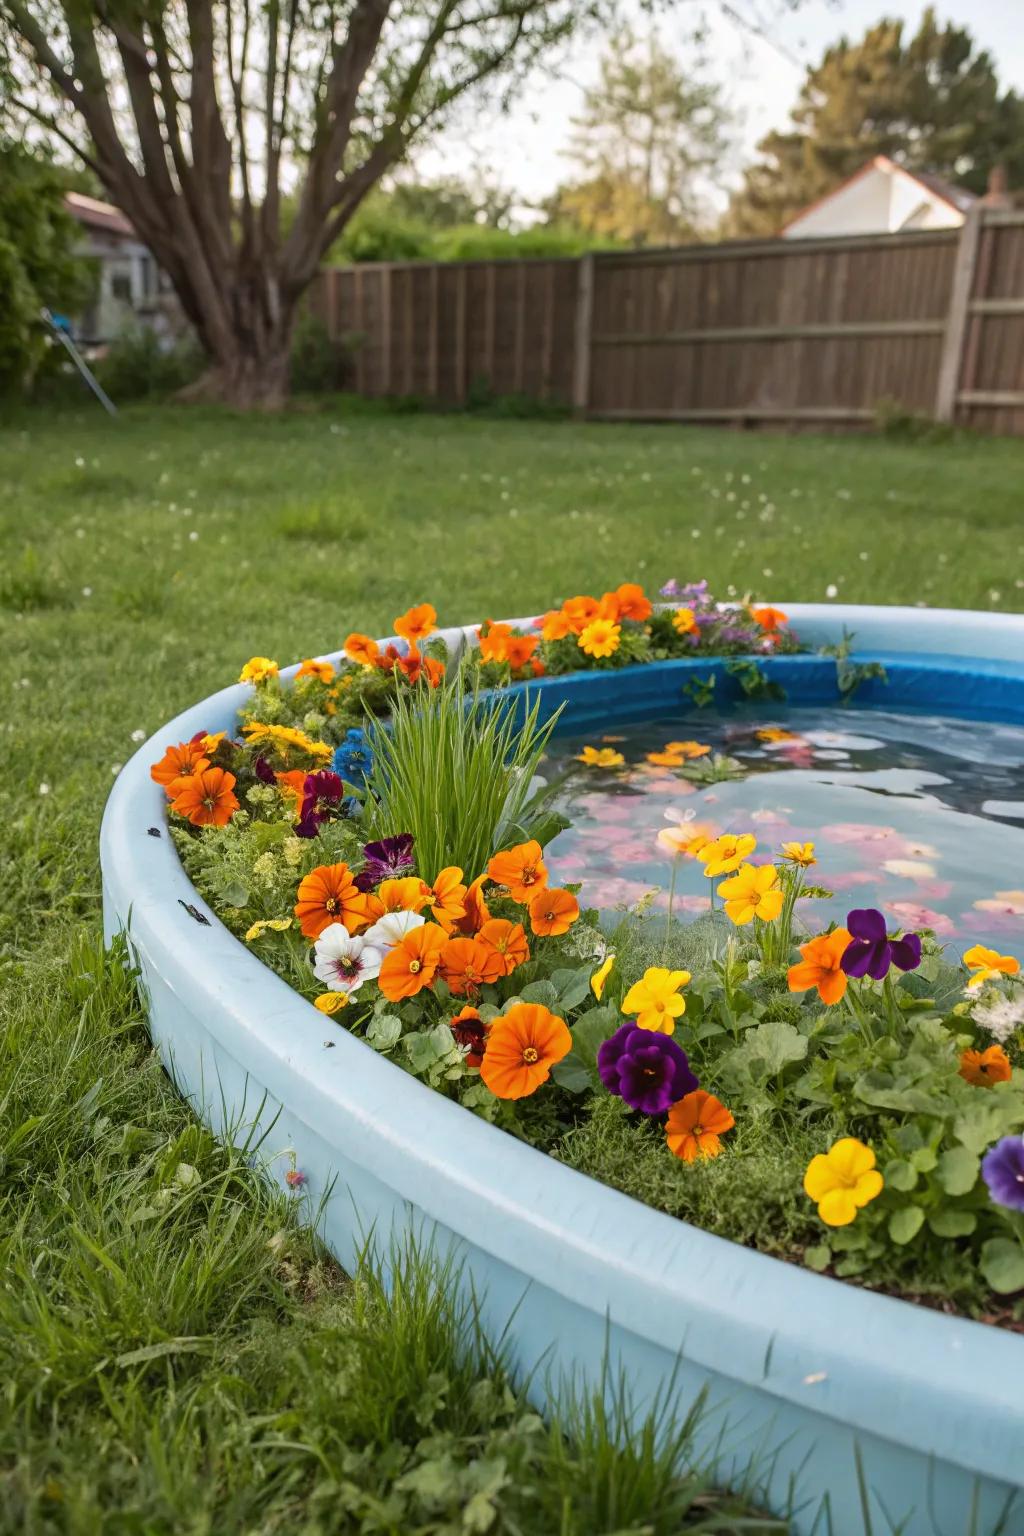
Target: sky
{"type": "Point", "coordinates": [760, 75]}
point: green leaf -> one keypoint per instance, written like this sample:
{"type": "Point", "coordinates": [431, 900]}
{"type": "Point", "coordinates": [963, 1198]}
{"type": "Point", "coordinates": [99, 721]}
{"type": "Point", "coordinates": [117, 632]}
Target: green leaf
{"type": "Point", "coordinates": [767, 1049]}
{"type": "Point", "coordinates": [818, 1257]}
{"type": "Point", "coordinates": [573, 987]}
{"type": "Point", "coordinates": [1002, 1264]}
{"type": "Point", "coordinates": [951, 1222]}
{"type": "Point", "coordinates": [958, 1171]}
{"type": "Point", "coordinates": [905, 1223]}
{"type": "Point", "coordinates": [924, 1159]}
{"type": "Point", "coordinates": [578, 1071]}
{"type": "Point", "coordinates": [995, 1112]}
{"type": "Point", "coordinates": [384, 1032]}
{"type": "Point", "coordinates": [540, 992]}
{"type": "Point", "coordinates": [901, 1175]}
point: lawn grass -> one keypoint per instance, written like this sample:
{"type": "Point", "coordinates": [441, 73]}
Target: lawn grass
{"type": "Point", "coordinates": [178, 1355]}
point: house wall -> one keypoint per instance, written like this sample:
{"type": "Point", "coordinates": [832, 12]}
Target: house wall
{"type": "Point", "coordinates": [130, 289]}
{"type": "Point", "coordinates": [878, 202]}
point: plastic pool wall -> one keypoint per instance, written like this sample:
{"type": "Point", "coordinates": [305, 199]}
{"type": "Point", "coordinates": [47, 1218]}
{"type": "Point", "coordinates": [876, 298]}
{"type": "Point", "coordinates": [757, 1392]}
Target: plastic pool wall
{"type": "Point", "coordinates": [829, 1390]}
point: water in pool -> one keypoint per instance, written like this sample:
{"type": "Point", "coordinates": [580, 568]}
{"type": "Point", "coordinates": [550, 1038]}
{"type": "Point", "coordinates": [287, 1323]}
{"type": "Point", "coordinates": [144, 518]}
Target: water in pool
{"type": "Point", "coordinates": [918, 815]}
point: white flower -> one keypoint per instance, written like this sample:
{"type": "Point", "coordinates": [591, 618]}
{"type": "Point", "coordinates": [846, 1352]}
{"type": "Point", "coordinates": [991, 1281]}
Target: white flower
{"type": "Point", "coordinates": [344, 960]}
{"type": "Point", "coordinates": [44, 789]}
{"type": "Point", "coordinates": [831, 590]}
{"type": "Point", "coordinates": [392, 928]}
{"type": "Point", "coordinates": [1001, 1016]}
{"type": "Point", "coordinates": [138, 735]}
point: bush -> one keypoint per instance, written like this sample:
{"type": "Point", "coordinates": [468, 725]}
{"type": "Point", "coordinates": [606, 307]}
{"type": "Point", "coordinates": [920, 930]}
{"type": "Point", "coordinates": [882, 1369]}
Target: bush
{"type": "Point", "coordinates": [317, 362]}
{"type": "Point", "coordinates": [37, 264]}
{"type": "Point", "coordinates": [137, 365]}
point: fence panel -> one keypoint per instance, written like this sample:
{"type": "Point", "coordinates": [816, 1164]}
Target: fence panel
{"type": "Point", "coordinates": [788, 332]}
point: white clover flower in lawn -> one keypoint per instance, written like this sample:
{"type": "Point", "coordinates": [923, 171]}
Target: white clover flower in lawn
{"type": "Point", "coordinates": [343, 960]}
{"type": "Point", "coordinates": [392, 928]}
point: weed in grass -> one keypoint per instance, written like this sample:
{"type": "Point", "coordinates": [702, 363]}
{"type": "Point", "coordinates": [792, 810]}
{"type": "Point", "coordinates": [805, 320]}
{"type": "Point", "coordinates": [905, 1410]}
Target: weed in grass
{"type": "Point", "coordinates": [27, 586]}
{"type": "Point", "coordinates": [321, 523]}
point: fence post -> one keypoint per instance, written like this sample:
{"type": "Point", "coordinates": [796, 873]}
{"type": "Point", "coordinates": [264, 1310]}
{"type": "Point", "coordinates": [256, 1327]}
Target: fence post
{"type": "Point", "coordinates": [957, 315]}
{"type": "Point", "coordinates": [584, 319]}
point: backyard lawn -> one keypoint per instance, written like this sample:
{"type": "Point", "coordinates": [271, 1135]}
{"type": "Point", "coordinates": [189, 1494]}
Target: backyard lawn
{"type": "Point", "coordinates": [177, 1354]}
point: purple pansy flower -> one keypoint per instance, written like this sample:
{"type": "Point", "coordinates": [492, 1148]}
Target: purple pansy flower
{"type": "Point", "coordinates": [385, 859]}
{"type": "Point", "coordinates": [321, 793]}
{"type": "Point", "coordinates": [870, 951]}
{"type": "Point", "coordinates": [263, 771]}
{"type": "Point", "coordinates": [671, 588]}
{"type": "Point", "coordinates": [1002, 1168]}
{"type": "Point", "coordinates": [645, 1068]}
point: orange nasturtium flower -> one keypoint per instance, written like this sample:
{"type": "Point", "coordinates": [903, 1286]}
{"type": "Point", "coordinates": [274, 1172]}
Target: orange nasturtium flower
{"type": "Point", "coordinates": [770, 619]}
{"type": "Point", "coordinates": [522, 1047]}
{"type": "Point", "coordinates": [407, 894]}
{"type": "Point", "coordinates": [696, 1124]}
{"type": "Point", "coordinates": [361, 649]}
{"type": "Point", "coordinates": [323, 671]}
{"type": "Point", "coordinates": [206, 797]}
{"type": "Point", "coordinates": [633, 603]}
{"type": "Point", "coordinates": [417, 623]}
{"type": "Point", "coordinates": [477, 912]}
{"type": "Point", "coordinates": [820, 967]}
{"type": "Point", "coordinates": [469, 964]}
{"type": "Point", "coordinates": [179, 761]}
{"type": "Point", "coordinates": [600, 638]}
{"type": "Point", "coordinates": [293, 785]}
{"type": "Point", "coordinates": [579, 611]}
{"type": "Point", "coordinates": [446, 898]}
{"type": "Point", "coordinates": [412, 964]}
{"type": "Point", "coordinates": [257, 669]}
{"type": "Point", "coordinates": [328, 894]}
{"type": "Point", "coordinates": [553, 911]}
{"type": "Point", "coordinates": [507, 940]}
{"type": "Point", "coordinates": [521, 869]}
{"type": "Point", "coordinates": [985, 1068]}
{"type": "Point", "coordinates": [684, 621]}
{"type": "Point", "coordinates": [987, 964]}
{"type": "Point", "coordinates": [555, 625]}
{"type": "Point", "coordinates": [520, 650]}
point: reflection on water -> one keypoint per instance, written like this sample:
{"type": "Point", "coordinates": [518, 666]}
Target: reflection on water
{"type": "Point", "coordinates": [918, 815]}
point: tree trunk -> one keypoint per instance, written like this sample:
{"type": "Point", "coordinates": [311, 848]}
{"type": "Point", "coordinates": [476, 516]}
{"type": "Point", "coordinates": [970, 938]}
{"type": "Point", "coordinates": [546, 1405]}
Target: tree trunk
{"type": "Point", "coordinates": [253, 377]}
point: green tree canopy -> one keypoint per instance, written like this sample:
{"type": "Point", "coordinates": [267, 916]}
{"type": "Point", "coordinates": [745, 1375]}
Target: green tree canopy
{"type": "Point", "coordinates": [930, 102]}
{"type": "Point", "coordinates": [37, 265]}
{"type": "Point", "coordinates": [649, 134]}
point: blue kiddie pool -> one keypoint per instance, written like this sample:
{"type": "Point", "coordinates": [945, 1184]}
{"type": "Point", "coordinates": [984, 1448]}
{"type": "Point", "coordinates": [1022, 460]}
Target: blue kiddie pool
{"type": "Point", "coordinates": [858, 1412]}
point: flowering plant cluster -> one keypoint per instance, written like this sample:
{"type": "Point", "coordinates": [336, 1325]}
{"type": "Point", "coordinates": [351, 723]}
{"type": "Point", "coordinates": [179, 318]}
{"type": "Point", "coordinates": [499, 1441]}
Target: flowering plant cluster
{"type": "Point", "coordinates": [868, 1092]}
{"type": "Point", "coordinates": [623, 628]}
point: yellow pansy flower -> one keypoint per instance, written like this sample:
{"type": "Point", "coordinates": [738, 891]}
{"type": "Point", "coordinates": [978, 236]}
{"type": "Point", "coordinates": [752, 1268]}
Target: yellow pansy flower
{"type": "Point", "coordinates": [683, 621]}
{"type": "Point", "coordinates": [799, 853]}
{"type": "Point", "coordinates": [726, 853]}
{"type": "Point", "coordinates": [753, 891]}
{"type": "Point", "coordinates": [988, 965]}
{"type": "Point", "coordinates": [656, 999]}
{"type": "Point", "coordinates": [842, 1180]}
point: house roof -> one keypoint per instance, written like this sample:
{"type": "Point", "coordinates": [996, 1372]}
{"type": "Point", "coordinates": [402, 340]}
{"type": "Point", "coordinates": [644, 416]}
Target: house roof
{"type": "Point", "coordinates": [96, 215]}
{"type": "Point", "coordinates": [936, 186]}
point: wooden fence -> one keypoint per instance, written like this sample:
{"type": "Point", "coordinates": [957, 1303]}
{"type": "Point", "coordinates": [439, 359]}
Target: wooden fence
{"type": "Point", "coordinates": [816, 332]}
